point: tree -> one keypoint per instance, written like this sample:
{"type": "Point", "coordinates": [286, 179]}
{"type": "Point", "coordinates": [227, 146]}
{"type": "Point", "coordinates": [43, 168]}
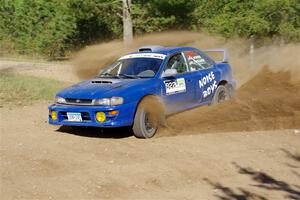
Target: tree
{"type": "Point", "coordinates": [127, 22]}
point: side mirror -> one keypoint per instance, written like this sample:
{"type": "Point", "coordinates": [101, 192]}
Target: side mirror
{"type": "Point", "coordinates": [169, 72]}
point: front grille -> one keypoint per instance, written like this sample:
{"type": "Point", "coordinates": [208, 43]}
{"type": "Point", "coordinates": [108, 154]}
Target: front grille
{"type": "Point", "coordinates": [79, 101]}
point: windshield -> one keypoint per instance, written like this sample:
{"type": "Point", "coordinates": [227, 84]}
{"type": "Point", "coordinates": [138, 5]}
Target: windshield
{"type": "Point", "coordinates": [133, 68]}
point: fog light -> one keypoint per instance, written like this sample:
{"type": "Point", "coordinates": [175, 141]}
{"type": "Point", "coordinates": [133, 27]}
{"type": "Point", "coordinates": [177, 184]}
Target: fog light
{"type": "Point", "coordinates": [53, 115]}
{"type": "Point", "coordinates": [113, 112]}
{"type": "Point", "coordinates": [100, 117]}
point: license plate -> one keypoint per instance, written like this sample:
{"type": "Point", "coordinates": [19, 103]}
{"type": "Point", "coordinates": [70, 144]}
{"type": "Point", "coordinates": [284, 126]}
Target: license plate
{"type": "Point", "coordinates": [74, 117]}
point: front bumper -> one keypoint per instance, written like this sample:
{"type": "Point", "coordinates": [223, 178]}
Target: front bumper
{"type": "Point", "coordinates": [124, 117]}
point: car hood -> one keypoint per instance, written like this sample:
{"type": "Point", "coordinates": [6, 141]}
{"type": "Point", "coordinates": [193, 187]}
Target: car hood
{"type": "Point", "coordinates": [97, 88]}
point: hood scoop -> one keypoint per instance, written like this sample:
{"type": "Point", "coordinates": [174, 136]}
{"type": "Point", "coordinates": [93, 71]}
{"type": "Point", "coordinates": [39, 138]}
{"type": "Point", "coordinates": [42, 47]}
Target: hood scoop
{"type": "Point", "coordinates": [102, 82]}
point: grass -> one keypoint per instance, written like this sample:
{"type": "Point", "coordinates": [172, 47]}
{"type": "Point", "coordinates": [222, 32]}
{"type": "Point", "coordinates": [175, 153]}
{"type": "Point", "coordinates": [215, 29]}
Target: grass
{"type": "Point", "coordinates": [23, 89]}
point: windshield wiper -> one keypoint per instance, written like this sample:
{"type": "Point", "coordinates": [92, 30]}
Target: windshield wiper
{"type": "Point", "coordinates": [129, 76]}
{"type": "Point", "coordinates": [145, 76]}
{"type": "Point", "coordinates": [108, 75]}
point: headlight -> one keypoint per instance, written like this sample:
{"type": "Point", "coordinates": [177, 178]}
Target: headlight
{"type": "Point", "coordinates": [116, 101]}
{"type": "Point", "coordinates": [59, 100]}
{"type": "Point", "coordinates": [109, 101]}
{"type": "Point", "coordinates": [103, 102]}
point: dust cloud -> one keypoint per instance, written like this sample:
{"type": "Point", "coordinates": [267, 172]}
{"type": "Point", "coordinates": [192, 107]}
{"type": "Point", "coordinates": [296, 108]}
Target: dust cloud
{"type": "Point", "coordinates": [91, 60]}
{"type": "Point", "coordinates": [268, 95]}
{"type": "Point", "coordinates": [268, 101]}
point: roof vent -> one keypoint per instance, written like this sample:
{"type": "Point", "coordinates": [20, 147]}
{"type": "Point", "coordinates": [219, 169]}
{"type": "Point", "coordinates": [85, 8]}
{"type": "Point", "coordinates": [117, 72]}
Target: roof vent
{"type": "Point", "coordinates": [150, 48]}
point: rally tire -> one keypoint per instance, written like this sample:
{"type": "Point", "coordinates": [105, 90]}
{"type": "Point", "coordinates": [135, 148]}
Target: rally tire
{"type": "Point", "coordinates": [222, 94]}
{"type": "Point", "coordinates": [147, 118]}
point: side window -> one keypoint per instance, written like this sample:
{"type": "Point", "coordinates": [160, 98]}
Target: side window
{"type": "Point", "coordinates": [208, 60]}
{"type": "Point", "coordinates": [177, 62]}
{"type": "Point", "coordinates": [197, 61]}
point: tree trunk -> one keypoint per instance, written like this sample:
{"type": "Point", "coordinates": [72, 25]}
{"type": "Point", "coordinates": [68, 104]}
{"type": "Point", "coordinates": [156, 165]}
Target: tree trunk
{"type": "Point", "coordinates": [127, 22]}
{"type": "Point", "coordinates": [252, 40]}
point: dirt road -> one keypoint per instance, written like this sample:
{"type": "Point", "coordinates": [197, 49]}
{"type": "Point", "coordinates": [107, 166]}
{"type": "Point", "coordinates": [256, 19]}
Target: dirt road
{"type": "Point", "coordinates": [61, 71]}
{"type": "Point", "coordinates": [39, 161]}
{"type": "Point", "coordinates": [206, 153]}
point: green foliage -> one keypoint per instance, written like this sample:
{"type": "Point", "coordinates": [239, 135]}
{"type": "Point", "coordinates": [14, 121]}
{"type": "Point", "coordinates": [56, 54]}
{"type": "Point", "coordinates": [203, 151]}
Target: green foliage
{"type": "Point", "coordinates": [22, 89]}
{"type": "Point", "coordinates": [145, 22]}
{"type": "Point", "coordinates": [159, 15]}
{"type": "Point", "coordinates": [96, 20]}
{"type": "Point", "coordinates": [261, 18]}
{"type": "Point", "coordinates": [52, 27]}
{"type": "Point", "coordinates": [37, 26]}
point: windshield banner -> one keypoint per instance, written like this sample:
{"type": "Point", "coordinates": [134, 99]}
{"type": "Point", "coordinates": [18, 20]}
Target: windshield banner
{"type": "Point", "coordinates": [144, 55]}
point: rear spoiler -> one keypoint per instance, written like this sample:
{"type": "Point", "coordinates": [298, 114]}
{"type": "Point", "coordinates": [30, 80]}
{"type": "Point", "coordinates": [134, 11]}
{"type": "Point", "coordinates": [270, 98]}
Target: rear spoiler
{"type": "Point", "coordinates": [224, 51]}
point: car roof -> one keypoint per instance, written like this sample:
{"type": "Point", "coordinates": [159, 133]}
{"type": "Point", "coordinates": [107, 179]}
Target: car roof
{"type": "Point", "coordinates": [165, 50]}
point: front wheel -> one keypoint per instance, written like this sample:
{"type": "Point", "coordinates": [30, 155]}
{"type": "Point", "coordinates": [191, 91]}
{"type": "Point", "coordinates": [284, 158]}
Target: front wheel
{"type": "Point", "coordinates": [147, 117]}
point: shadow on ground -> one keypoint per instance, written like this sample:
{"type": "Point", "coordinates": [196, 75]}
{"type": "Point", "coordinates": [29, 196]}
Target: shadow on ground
{"type": "Point", "coordinates": [228, 193]}
{"type": "Point", "coordinates": [262, 181]}
{"type": "Point", "coordinates": [293, 156]}
{"type": "Point", "coordinates": [116, 133]}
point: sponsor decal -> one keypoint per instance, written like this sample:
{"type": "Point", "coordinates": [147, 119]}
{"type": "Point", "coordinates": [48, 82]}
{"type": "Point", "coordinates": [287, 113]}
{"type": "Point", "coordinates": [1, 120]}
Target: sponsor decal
{"type": "Point", "coordinates": [209, 80]}
{"type": "Point", "coordinates": [144, 55]}
{"type": "Point", "coordinates": [190, 53]}
{"type": "Point", "coordinates": [175, 86]}
{"type": "Point", "coordinates": [194, 59]}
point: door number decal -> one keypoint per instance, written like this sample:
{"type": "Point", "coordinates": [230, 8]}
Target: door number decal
{"type": "Point", "coordinates": [175, 86]}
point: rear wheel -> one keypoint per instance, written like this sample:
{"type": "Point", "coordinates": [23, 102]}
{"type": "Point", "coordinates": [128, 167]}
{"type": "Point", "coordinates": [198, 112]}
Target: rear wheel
{"type": "Point", "coordinates": [148, 117]}
{"type": "Point", "coordinates": [221, 95]}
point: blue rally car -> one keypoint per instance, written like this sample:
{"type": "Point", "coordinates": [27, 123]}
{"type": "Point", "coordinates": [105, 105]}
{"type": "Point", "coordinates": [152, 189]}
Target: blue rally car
{"type": "Point", "coordinates": [140, 88]}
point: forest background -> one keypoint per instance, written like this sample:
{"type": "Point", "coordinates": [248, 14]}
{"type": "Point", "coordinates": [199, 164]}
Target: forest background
{"type": "Point", "coordinates": [56, 28]}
